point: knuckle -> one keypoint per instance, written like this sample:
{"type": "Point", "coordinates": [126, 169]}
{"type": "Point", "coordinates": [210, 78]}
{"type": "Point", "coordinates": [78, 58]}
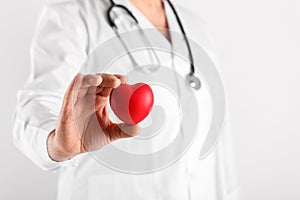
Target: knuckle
{"type": "Point", "coordinates": [78, 76]}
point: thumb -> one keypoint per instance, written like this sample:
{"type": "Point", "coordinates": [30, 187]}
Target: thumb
{"type": "Point", "coordinates": [122, 130]}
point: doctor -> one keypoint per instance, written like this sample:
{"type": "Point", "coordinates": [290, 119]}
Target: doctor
{"type": "Point", "coordinates": [46, 132]}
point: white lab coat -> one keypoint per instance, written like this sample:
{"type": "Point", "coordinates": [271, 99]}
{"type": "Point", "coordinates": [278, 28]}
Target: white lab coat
{"type": "Point", "coordinates": [67, 33]}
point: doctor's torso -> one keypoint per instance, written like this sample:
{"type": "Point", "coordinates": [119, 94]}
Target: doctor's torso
{"type": "Point", "coordinates": [84, 177]}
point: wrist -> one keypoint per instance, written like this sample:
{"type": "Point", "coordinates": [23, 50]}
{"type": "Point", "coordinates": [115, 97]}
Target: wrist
{"type": "Point", "coordinates": [55, 151]}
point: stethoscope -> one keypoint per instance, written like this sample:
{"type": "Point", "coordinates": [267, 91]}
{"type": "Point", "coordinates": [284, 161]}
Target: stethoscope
{"type": "Point", "coordinates": [191, 78]}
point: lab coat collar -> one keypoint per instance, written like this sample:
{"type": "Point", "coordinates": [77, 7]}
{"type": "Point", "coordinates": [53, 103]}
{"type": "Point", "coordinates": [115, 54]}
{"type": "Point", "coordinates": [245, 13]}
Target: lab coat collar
{"type": "Point", "coordinates": [156, 38]}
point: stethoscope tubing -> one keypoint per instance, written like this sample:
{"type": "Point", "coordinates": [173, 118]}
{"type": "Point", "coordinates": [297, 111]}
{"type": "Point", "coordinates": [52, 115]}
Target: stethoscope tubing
{"type": "Point", "coordinates": [193, 80]}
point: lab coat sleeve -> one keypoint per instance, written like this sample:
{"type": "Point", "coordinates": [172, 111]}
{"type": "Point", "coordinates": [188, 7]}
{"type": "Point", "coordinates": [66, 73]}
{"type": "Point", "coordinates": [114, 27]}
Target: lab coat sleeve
{"type": "Point", "coordinates": [57, 53]}
{"type": "Point", "coordinates": [227, 179]}
{"type": "Point", "coordinates": [226, 176]}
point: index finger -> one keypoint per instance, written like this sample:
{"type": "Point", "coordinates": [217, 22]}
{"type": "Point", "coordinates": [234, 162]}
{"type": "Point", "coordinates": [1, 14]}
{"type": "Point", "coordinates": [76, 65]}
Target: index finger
{"type": "Point", "coordinates": [123, 78]}
{"type": "Point", "coordinates": [110, 81]}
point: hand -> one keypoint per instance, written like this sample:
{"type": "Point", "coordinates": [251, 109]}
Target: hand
{"type": "Point", "coordinates": [83, 123]}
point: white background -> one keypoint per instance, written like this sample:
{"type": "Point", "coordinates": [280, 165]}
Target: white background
{"type": "Point", "coordinates": [258, 45]}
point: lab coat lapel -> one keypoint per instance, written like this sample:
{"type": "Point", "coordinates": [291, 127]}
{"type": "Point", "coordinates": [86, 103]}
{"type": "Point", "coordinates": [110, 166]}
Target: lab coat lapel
{"type": "Point", "coordinates": [153, 36]}
{"type": "Point", "coordinates": [145, 23]}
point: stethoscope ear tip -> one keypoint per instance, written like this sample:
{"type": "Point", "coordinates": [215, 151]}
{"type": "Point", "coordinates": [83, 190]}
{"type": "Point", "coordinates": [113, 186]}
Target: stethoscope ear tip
{"type": "Point", "coordinates": [194, 81]}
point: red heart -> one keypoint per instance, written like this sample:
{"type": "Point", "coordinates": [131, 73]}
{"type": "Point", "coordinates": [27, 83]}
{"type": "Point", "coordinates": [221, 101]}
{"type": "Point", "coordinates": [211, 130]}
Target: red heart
{"type": "Point", "coordinates": [132, 103]}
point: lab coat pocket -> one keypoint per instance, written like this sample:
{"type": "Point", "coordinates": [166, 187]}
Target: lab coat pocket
{"type": "Point", "coordinates": [120, 186]}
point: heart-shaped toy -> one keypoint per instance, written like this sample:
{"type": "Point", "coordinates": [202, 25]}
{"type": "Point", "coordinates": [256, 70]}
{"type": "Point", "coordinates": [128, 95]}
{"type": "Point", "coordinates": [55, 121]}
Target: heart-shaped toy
{"type": "Point", "coordinates": [132, 103]}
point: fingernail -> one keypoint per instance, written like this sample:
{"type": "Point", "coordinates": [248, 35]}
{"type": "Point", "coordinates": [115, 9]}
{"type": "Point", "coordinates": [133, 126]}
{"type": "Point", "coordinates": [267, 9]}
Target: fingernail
{"type": "Point", "coordinates": [99, 79]}
{"type": "Point", "coordinates": [91, 81]}
{"type": "Point", "coordinates": [95, 80]}
{"type": "Point", "coordinates": [118, 83]}
{"type": "Point", "coordinates": [125, 79]}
